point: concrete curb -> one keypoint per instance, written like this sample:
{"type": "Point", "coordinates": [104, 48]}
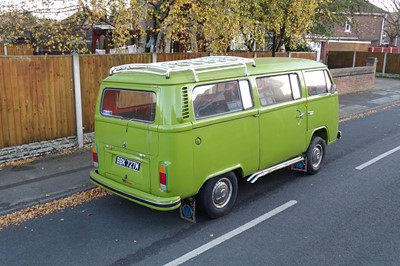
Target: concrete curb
{"type": "Point", "coordinates": [27, 203]}
{"type": "Point", "coordinates": [368, 111]}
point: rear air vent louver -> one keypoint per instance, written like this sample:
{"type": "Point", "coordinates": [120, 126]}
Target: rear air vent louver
{"type": "Point", "coordinates": [185, 103]}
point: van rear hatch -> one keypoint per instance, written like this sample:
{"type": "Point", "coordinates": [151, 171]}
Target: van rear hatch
{"type": "Point", "coordinates": [127, 136]}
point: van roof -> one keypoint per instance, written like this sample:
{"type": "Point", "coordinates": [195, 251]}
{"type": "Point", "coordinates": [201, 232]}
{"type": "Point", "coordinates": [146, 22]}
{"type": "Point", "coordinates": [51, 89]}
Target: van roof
{"type": "Point", "coordinates": [205, 69]}
{"type": "Point", "coordinates": [283, 64]}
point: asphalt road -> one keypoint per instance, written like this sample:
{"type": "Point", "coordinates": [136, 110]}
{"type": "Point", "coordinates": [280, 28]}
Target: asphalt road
{"type": "Point", "coordinates": [348, 214]}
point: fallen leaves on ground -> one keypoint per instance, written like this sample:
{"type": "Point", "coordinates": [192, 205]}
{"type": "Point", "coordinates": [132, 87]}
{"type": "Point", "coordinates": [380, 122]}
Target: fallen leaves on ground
{"type": "Point", "coordinates": [369, 112]}
{"type": "Point", "coordinates": [39, 210]}
{"type": "Point", "coordinates": [20, 162]}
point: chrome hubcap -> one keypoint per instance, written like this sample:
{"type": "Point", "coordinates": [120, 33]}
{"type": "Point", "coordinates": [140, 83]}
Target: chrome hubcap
{"type": "Point", "coordinates": [317, 155]}
{"type": "Point", "coordinates": [222, 193]}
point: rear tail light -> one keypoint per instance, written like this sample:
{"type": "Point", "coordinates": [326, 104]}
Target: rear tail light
{"type": "Point", "coordinates": [95, 157]}
{"type": "Point", "coordinates": [164, 176]}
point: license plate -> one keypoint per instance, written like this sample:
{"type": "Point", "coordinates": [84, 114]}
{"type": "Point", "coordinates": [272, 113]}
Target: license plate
{"type": "Point", "coordinates": [127, 163]}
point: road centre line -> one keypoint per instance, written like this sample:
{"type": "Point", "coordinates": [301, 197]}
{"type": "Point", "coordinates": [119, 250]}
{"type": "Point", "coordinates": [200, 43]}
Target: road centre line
{"type": "Point", "coordinates": [374, 160]}
{"type": "Point", "coordinates": [229, 235]}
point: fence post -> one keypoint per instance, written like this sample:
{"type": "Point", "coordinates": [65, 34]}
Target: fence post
{"type": "Point", "coordinates": [354, 58]}
{"type": "Point", "coordinates": [154, 57]}
{"type": "Point", "coordinates": [78, 100]}
{"type": "Point", "coordinates": [384, 64]}
{"type": "Point", "coordinates": [5, 49]}
{"type": "Point", "coordinates": [372, 61]}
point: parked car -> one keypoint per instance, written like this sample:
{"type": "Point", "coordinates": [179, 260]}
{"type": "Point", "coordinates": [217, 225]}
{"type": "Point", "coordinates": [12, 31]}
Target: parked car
{"type": "Point", "coordinates": [189, 129]}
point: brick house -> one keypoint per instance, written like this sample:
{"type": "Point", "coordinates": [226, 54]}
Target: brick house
{"type": "Point", "coordinates": [361, 30]}
{"type": "Point", "coordinates": [366, 27]}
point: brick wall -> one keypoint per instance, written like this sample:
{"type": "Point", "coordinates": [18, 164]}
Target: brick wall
{"type": "Point", "coordinates": [363, 27]}
{"type": "Point", "coordinates": [355, 79]}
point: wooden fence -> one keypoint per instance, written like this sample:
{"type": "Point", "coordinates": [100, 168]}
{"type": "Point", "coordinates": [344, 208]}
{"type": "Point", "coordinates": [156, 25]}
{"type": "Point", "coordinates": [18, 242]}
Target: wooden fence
{"type": "Point", "coordinates": [93, 69]}
{"type": "Point", "coordinates": [37, 92]}
{"type": "Point", "coordinates": [36, 101]}
{"type": "Point", "coordinates": [21, 49]}
{"type": "Point", "coordinates": [178, 56]}
{"type": "Point", "coordinates": [387, 62]}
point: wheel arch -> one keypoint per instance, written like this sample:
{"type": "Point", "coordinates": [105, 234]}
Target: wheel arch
{"type": "Point", "coordinates": [218, 194]}
{"type": "Point", "coordinates": [237, 170]}
{"type": "Point", "coordinates": [321, 132]}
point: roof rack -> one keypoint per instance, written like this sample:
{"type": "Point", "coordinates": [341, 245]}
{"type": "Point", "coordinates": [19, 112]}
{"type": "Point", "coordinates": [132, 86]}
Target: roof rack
{"type": "Point", "coordinates": [197, 66]}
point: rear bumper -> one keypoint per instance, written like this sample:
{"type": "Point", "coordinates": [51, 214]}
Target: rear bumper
{"type": "Point", "coordinates": [137, 196]}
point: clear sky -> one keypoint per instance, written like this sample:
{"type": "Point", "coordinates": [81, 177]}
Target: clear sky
{"type": "Point", "coordinates": [32, 5]}
{"type": "Point", "coordinates": [379, 3]}
{"type": "Point", "coordinates": [65, 3]}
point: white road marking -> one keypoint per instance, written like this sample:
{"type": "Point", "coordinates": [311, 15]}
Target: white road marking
{"type": "Point", "coordinates": [231, 234]}
{"type": "Point", "coordinates": [360, 167]}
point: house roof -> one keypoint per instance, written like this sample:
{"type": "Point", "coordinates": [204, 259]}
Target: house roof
{"type": "Point", "coordinates": [369, 8]}
{"type": "Point", "coordinates": [366, 8]}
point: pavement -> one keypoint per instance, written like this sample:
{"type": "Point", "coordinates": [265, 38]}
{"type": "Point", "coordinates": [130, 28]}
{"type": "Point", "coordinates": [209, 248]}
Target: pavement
{"type": "Point", "coordinates": [57, 176]}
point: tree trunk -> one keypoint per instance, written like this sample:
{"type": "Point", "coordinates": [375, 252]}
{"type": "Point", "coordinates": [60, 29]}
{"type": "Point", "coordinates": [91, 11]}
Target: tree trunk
{"type": "Point", "coordinates": [193, 41]}
{"type": "Point", "coordinates": [142, 43]}
{"type": "Point", "coordinates": [159, 42]}
{"type": "Point", "coordinates": [273, 44]}
{"type": "Point", "coordinates": [142, 23]}
{"type": "Point", "coordinates": [167, 40]}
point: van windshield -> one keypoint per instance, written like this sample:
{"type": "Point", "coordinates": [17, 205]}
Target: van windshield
{"type": "Point", "coordinates": [129, 104]}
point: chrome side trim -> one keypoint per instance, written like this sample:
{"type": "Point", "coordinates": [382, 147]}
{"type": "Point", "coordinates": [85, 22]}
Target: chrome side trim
{"type": "Point", "coordinates": [254, 177]}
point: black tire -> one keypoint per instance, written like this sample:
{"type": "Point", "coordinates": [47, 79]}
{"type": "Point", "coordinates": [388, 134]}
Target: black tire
{"type": "Point", "coordinates": [218, 195]}
{"type": "Point", "coordinates": [315, 155]}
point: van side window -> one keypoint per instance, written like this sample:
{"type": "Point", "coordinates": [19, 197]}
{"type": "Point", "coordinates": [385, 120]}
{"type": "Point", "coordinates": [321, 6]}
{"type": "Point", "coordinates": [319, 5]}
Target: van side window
{"type": "Point", "coordinates": [278, 89]}
{"type": "Point", "coordinates": [315, 82]}
{"type": "Point", "coordinates": [218, 98]}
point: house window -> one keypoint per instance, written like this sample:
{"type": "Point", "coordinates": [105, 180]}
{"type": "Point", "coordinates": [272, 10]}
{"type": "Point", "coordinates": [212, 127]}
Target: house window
{"type": "Point", "coordinates": [347, 26]}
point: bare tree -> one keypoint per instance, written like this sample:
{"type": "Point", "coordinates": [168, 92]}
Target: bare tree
{"type": "Point", "coordinates": [392, 28]}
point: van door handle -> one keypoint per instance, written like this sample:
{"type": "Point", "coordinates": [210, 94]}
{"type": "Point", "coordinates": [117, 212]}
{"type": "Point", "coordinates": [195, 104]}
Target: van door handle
{"type": "Point", "coordinates": [310, 112]}
{"type": "Point", "coordinates": [300, 115]}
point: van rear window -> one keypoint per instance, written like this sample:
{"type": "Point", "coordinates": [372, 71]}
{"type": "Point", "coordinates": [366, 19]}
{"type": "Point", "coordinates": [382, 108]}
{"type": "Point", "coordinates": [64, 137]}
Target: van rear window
{"type": "Point", "coordinates": [129, 104]}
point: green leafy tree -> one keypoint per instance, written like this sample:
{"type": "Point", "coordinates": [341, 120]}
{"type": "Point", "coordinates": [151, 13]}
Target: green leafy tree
{"type": "Point", "coordinates": [209, 24]}
{"type": "Point", "coordinates": [41, 24]}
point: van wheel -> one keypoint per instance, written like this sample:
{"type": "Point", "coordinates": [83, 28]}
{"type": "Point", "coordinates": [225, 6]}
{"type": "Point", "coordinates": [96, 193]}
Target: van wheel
{"type": "Point", "coordinates": [218, 195]}
{"type": "Point", "coordinates": [315, 155]}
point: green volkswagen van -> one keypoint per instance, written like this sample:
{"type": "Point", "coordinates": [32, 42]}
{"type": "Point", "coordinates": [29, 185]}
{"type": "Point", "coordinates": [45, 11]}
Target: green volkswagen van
{"type": "Point", "coordinates": [189, 129]}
